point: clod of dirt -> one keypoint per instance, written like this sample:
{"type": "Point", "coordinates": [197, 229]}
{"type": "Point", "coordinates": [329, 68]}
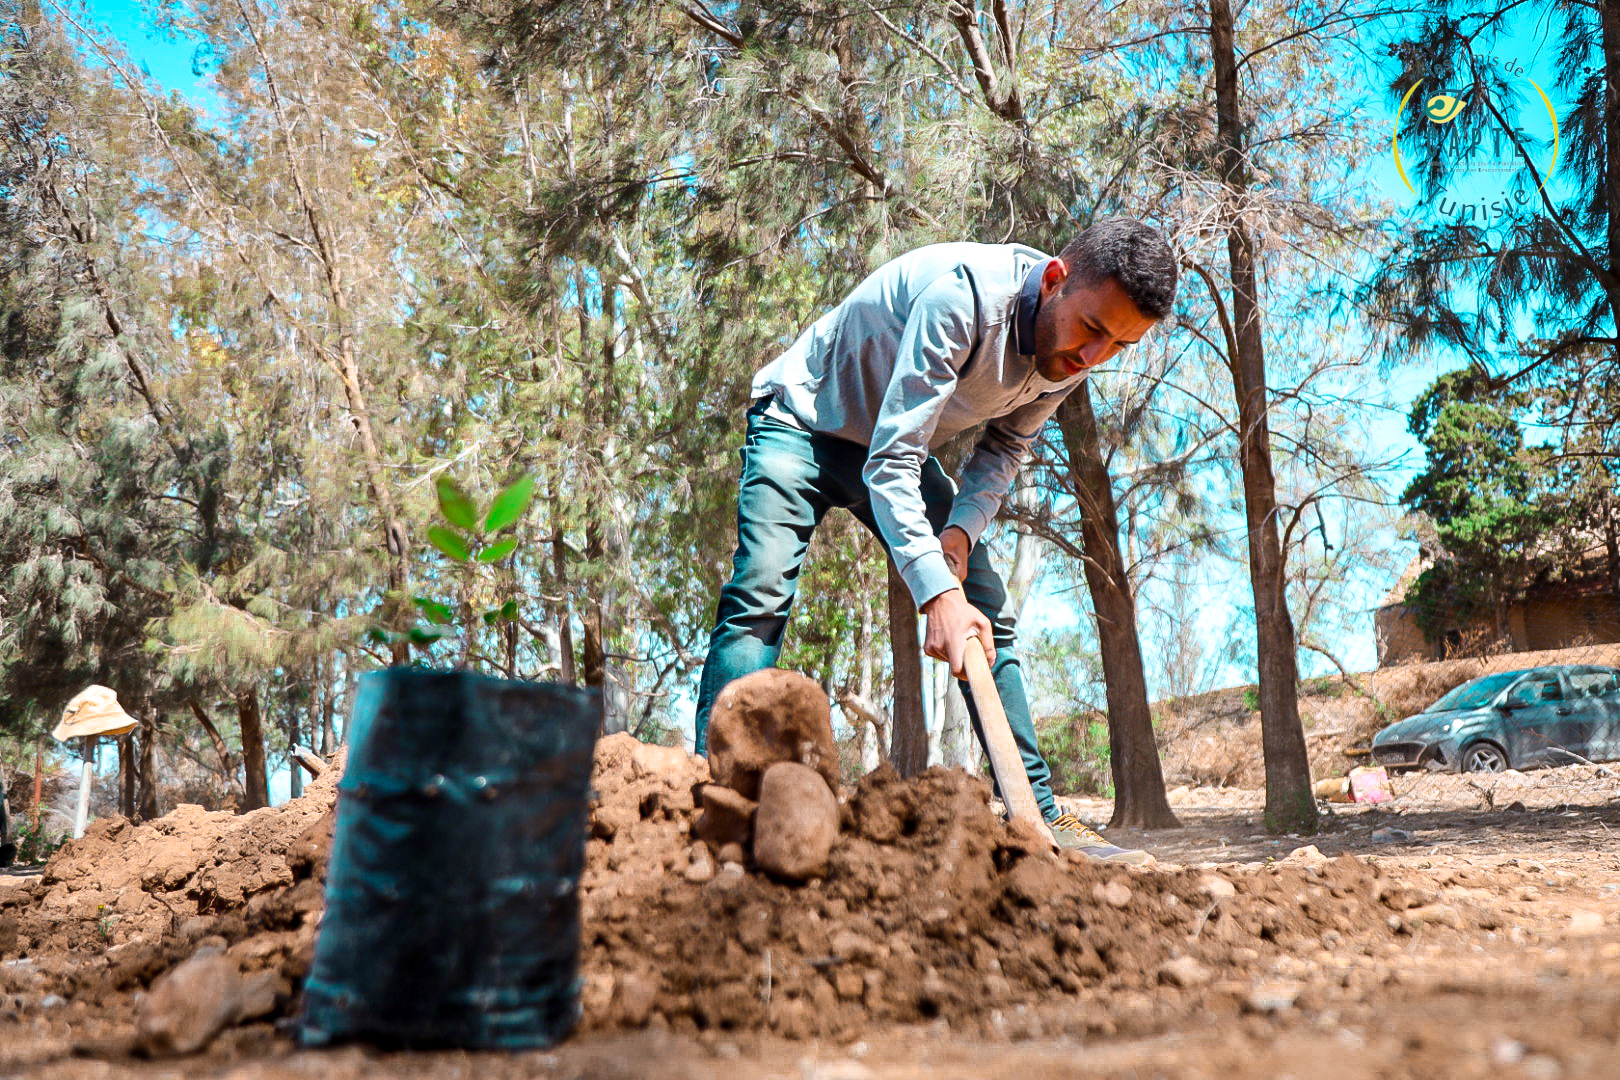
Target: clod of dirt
{"type": "Point", "coordinates": [193, 1003]}
{"type": "Point", "coordinates": [727, 818]}
{"type": "Point", "coordinates": [797, 822]}
{"type": "Point", "coordinates": [1185, 972]}
{"type": "Point", "coordinates": [766, 717]}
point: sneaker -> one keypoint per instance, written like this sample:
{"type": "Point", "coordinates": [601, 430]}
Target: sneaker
{"type": "Point", "coordinates": [1072, 834]}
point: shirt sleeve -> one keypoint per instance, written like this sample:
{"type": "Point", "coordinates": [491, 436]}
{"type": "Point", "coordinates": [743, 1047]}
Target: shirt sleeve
{"type": "Point", "coordinates": [934, 345]}
{"type": "Point", "coordinates": [994, 462]}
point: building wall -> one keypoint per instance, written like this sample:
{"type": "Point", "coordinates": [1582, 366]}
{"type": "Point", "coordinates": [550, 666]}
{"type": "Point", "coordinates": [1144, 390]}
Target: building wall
{"type": "Point", "coordinates": [1565, 621]}
{"type": "Point", "coordinates": [1556, 621]}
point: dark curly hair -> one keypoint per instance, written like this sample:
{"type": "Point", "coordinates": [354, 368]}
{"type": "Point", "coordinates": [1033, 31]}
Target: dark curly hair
{"type": "Point", "coordinates": [1132, 253]}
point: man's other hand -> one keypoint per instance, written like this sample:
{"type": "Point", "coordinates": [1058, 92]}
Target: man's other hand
{"type": "Point", "coordinates": [952, 622]}
{"type": "Point", "coordinates": [957, 546]}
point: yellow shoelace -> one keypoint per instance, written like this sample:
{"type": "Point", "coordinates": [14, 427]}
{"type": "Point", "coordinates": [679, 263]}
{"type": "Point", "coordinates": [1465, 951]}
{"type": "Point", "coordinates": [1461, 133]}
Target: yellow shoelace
{"type": "Point", "coordinates": [1074, 824]}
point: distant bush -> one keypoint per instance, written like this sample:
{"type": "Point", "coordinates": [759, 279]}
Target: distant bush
{"type": "Point", "coordinates": [1076, 748]}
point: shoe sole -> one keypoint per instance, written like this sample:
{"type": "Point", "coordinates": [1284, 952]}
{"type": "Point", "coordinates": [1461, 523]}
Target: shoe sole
{"type": "Point", "coordinates": [1124, 855]}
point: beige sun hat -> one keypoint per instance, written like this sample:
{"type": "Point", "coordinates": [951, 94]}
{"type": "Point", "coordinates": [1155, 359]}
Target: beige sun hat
{"type": "Point", "coordinates": [93, 711]}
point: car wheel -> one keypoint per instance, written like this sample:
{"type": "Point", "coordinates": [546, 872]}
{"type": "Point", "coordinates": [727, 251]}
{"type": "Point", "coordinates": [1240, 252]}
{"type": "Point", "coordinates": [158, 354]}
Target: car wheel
{"type": "Point", "coordinates": [1484, 757]}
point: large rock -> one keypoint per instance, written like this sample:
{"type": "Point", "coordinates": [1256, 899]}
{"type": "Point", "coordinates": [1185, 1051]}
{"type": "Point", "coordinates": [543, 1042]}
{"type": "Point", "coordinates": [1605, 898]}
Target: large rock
{"type": "Point", "coordinates": [767, 717]}
{"type": "Point", "coordinates": [796, 824]}
{"type": "Point", "coordinates": [193, 1003]}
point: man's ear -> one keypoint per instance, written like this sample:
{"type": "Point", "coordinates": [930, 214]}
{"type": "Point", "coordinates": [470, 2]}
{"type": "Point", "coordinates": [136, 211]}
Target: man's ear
{"type": "Point", "coordinates": [1053, 276]}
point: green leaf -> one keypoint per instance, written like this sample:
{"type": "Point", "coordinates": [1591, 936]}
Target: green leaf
{"type": "Point", "coordinates": [509, 610]}
{"type": "Point", "coordinates": [491, 615]}
{"type": "Point", "coordinates": [435, 611]}
{"type": "Point", "coordinates": [498, 550]}
{"type": "Point", "coordinates": [510, 504]}
{"type": "Point", "coordinates": [456, 507]}
{"type": "Point", "coordinates": [448, 542]}
{"type": "Point", "coordinates": [424, 638]}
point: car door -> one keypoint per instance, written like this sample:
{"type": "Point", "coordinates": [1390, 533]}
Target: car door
{"type": "Point", "coordinates": [1595, 691]}
{"type": "Point", "coordinates": [1537, 722]}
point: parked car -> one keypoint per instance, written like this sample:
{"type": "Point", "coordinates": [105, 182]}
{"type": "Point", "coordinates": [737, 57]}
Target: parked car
{"type": "Point", "coordinates": [1554, 715]}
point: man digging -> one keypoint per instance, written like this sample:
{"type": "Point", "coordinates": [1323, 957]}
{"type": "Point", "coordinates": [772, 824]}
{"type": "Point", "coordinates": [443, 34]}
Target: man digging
{"type": "Point", "coordinates": [932, 343]}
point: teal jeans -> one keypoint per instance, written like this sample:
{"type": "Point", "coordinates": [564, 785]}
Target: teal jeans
{"type": "Point", "coordinates": [790, 479]}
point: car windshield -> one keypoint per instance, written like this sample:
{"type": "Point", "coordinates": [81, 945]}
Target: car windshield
{"type": "Point", "coordinates": [1471, 695]}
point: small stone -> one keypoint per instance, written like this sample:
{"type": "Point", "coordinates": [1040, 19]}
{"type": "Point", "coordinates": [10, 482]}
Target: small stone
{"type": "Point", "coordinates": [636, 994]}
{"type": "Point", "coordinates": [849, 984]}
{"type": "Point", "coordinates": [1272, 997]}
{"type": "Point", "coordinates": [1435, 915]}
{"type": "Point", "coordinates": [700, 868]}
{"type": "Point", "coordinates": [1114, 893]}
{"type": "Point", "coordinates": [1514, 807]}
{"type": "Point", "coordinates": [1390, 835]}
{"type": "Point", "coordinates": [732, 853]}
{"type": "Point", "coordinates": [1585, 923]}
{"type": "Point", "coordinates": [1310, 853]}
{"type": "Point", "coordinates": [1217, 888]}
{"type": "Point", "coordinates": [596, 994]}
{"type": "Point", "coordinates": [1540, 1067]}
{"type": "Point", "coordinates": [1184, 971]}
{"type": "Point", "coordinates": [797, 822]}
{"type": "Point", "coordinates": [833, 1070]}
{"type": "Point", "coordinates": [1506, 1051]}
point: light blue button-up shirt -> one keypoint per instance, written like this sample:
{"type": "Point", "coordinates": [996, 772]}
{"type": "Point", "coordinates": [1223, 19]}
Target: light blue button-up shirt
{"type": "Point", "coordinates": [929, 345]}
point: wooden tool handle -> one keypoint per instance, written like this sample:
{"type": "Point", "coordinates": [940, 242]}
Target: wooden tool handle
{"type": "Point", "coordinates": [1005, 761]}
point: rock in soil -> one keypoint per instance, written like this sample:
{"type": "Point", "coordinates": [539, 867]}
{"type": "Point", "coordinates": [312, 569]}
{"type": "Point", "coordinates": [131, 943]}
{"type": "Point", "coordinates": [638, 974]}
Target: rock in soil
{"type": "Point", "coordinates": [766, 717]}
{"type": "Point", "coordinates": [727, 818]}
{"type": "Point", "coordinates": [797, 822]}
{"type": "Point", "coordinates": [196, 1001]}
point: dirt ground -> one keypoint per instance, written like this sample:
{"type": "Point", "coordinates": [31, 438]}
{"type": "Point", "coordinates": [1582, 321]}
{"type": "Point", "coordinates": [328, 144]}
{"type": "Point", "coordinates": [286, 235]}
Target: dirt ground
{"type": "Point", "coordinates": [1468, 929]}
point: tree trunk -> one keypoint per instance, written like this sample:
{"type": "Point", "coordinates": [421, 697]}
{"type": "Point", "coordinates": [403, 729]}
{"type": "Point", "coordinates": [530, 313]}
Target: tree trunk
{"type": "Point", "coordinates": [39, 784]}
{"type": "Point", "coordinates": [146, 805]}
{"type": "Point", "coordinates": [255, 792]}
{"type": "Point", "coordinates": [868, 738]}
{"type": "Point", "coordinates": [126, 778]}
{"type": "Point", "coordinates": [1609, 15]}
{"type": "Point", "coordinates": [908, 750]}
{"type": "Point", "coordinates": [295, 775]}
{"type": "Point", "coordinates": [1139, 798]}
{"type": "Point", "coordinates": [227, 764]}
{"type": "Point", "coordinates": [1290, 806]}
{"type": "Point", "coordinates": [957, 747]}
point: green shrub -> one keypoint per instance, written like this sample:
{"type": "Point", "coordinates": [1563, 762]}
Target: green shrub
{"type": "Point", "coordinates": [1076, 748]}
{"type": "Point", "coordinates": [36, 846]}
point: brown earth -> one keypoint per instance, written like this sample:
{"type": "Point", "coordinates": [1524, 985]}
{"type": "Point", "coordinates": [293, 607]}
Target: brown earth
{"type": "Point", "coordinates": [1481, 939]}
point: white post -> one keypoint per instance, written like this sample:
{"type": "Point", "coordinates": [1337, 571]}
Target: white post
{"type": "Point", "coordinates": [86, 777]}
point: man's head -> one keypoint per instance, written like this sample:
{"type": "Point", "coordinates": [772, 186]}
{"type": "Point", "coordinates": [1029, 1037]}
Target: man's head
{"type": "Point", "coordinates": [1103, 292]}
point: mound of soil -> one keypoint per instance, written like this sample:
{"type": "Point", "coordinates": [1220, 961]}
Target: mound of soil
{"type": "Point", "coordinates": [932, 910]}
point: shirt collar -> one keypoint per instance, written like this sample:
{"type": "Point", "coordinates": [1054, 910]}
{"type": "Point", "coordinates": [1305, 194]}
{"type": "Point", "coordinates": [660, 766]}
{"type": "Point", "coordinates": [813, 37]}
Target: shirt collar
{"type": "Point", "coordinates": [1029, 301]}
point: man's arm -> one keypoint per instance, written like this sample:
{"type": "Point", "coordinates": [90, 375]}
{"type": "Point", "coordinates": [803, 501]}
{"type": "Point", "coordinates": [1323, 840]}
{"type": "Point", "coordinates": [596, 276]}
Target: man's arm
{"type": "Point", "coordinates": [994, 462]}
{"type": "Point", "coordinates": [938, 336]}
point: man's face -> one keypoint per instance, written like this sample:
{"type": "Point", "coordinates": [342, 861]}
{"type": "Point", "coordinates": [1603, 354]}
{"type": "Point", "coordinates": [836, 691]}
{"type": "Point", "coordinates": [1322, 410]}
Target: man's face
{"type": "Point", "coordinates": [1079, 329]}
